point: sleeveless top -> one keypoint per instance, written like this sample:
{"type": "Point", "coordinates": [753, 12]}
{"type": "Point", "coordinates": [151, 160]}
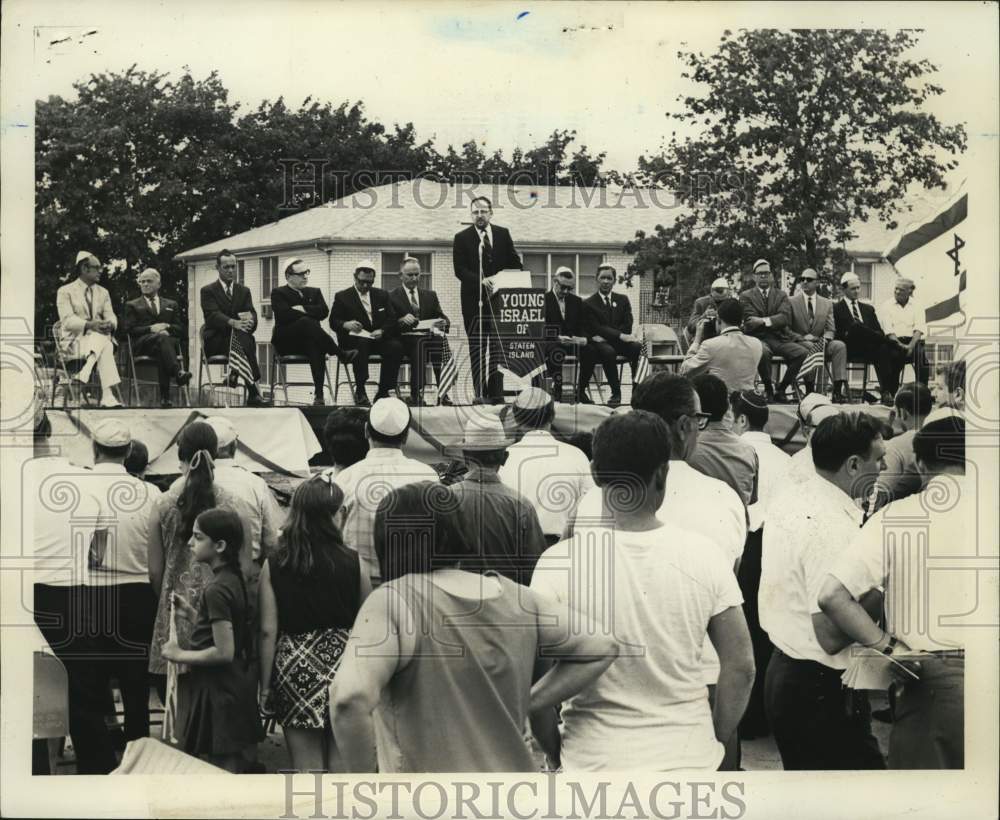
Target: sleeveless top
{"type": "Point", "coordinates": [461, 703]}
{"type": "Point", "coordinates": [327, 598]}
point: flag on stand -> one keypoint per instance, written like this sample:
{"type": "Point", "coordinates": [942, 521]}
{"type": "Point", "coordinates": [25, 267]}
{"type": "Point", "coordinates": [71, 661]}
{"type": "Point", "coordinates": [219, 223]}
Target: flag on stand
{"type": "Point", "coordinates": [814, 359]}
{"type": "Point", "coordinates": [642, 368]}
{"type": "Point", "coordinates": [238, 360]}
{"type": "Point", "coordinates": [449, 369]}
{"type": "Point", "coordinates": [929, 252]}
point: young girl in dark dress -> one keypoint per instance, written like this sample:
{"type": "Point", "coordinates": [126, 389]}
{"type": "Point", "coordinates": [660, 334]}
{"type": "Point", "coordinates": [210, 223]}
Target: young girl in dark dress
{"type": "Point", "coordinates": [217, 700]}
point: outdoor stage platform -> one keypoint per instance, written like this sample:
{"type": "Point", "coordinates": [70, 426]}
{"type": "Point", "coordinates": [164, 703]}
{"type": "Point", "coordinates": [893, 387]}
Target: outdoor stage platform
{"type": "Point", "coordinates": [288, 440]}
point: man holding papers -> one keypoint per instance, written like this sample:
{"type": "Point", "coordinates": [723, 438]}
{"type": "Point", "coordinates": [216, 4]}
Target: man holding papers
{"type": "Point", "coordinates": [363, 320]}
{"type": "Point", "coordinates": [421, 325]}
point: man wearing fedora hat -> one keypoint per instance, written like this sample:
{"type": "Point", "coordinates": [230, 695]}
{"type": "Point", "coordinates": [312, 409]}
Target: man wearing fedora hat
{"type": "Point", "coordinates": [497, 518]}
{"type": "Point", "coordinates": [363, 319]}
{"type": "Point", "coordinates": [87, 324]}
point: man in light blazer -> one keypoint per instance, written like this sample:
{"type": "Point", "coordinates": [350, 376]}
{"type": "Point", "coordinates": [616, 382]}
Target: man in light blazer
{"type": "Point", "coordinates": [767, 316]}
{"type": "Point", "coordinates": [154, 326]}
{"type": "Point", "coordinates": [732, 355]}
{"type": "Point", "coordinates": [812, 319]}
{"type": "Point", "coordinates": [87, 324]}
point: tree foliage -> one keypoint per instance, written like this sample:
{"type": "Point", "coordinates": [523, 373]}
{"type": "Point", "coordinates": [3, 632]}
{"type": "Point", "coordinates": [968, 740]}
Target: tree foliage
{"type": "Point", "coordinates": [797, 136]}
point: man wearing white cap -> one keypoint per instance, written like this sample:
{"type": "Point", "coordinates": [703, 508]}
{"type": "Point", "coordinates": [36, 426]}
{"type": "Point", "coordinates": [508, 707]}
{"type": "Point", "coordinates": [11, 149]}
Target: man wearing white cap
{"type": "Point", "coordinates": [87, 325]}
{"type": "Point", "coordinates": [121, 574]}
{"type": "Point", "coordinates": [154, 326]}
{"type": "Point", "coordinates": [704, 309]}
{"type": "Point", "coordinates": [552, 474]}
{"type": "Point", "coordinates": [494, 518]}
{"type": "Point", "coordinates": [768, 317]}
{"type": "Point", "coordinates": [812, 319]}
{"type": "Point", "coordinates": [857, 325]}
{"type": "Point", "coordinates": [367, 482]}
{"type": "Point", "coordinates": [364, 320]}
{"type": "Point", "coordinates": [903, 318]}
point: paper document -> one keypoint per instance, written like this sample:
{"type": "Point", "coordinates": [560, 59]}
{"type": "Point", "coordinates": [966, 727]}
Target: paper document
{"type": "Point", "coordinates": [507, 279]}
{"type": "Point", "coordinates": [364, 334]}
{"type": "Point", "coordinates": [426, 324]}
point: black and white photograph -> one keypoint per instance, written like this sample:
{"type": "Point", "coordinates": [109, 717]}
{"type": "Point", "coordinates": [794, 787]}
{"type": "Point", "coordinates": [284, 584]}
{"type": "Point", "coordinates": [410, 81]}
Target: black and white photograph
{"type": "Point", "coordinates": [557, 409]}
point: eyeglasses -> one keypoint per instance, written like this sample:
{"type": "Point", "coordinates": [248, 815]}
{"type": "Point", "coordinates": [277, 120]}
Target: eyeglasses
{"type": "Point", "coordinates": [701, 418]}
{"type": "Point", "coordinates": [298, 273]}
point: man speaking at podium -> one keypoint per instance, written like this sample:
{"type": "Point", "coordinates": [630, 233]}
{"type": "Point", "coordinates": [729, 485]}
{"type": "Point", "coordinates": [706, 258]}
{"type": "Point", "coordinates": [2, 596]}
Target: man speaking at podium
{"type": "Point", "coordinates": [479, 252]}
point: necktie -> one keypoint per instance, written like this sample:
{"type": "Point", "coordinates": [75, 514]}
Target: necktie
{"type": "Point", "coordinates": [562, 307]}
{"type": "Point", "coordinates": [152, 305]}
{"type": "Point", "coordinates": [812, 312]}
{"type": "Point", "coordinates": [487, 255]}
{"type": "Point", "coordinates": [89, 299]}
{"type": "Point", "coordinates": [607, 303]}
{"type": "Point", "coordinates": [413, 303]}
{"type": "Point", "coordinates": [854, 310]}
{"type": "Point", "coordinates": [229, 291]}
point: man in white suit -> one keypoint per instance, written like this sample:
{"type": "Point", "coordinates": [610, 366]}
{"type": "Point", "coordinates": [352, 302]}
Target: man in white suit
{"type": "Point", "coordinates": [732, 355]}
{"type": "Point", "coordinates": [812, 319]}
{"type": "Point", "coordinates": [87, 323]}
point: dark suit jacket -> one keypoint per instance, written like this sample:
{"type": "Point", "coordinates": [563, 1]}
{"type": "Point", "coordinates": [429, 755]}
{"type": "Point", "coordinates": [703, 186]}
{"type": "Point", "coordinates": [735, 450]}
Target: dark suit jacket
{"type": "Point", "coordinates": [777, 308]}
{"type": "Point", "coordinates": [138, 317]}
{"type": "Point", "coordinates": [609, 323]}
{"type": "Point", "coordinates": [347, 307]}
{"type": "Point", "coordinates": [430, 307]}
{"type": "Point", "coordinates": [218, 310]}
{"type": "Point", "coordinates": [465, 260]}
{"type": "Point", "coordinates": [576, 322]}
{"type": "Point", "coordinates": [843, 319]}
{"type": "Point", "coordinates": [283, 301]}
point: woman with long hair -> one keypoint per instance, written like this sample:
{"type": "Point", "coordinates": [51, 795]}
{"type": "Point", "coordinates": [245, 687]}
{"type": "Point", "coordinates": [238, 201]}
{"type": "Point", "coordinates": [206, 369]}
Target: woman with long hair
{"type": "Point", "coordinates": [437, 676]}
{"type": "Point", "coordinates": [171, 568]}
{"type": "Point", "coordinates": [310, 592]}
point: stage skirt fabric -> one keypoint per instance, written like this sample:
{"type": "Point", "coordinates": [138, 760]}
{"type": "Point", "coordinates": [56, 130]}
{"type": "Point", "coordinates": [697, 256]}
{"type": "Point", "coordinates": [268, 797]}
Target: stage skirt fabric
{"type": "Point", "coordinates": [304, 667]}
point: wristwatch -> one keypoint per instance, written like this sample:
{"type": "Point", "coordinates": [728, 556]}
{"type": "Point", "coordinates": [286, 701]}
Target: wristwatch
{"type": "Point", "coordinates": [893, 640]}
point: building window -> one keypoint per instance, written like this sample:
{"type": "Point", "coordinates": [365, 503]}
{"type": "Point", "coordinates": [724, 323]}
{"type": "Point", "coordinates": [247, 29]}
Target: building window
{"type": "Point", "coordinates": [241, 272]}
{"type": "Point", "coordinates": [393, 261]}
{"type": "Point", "coordinates": [863, 270]}
{"type": "Point", "coordinates": [543, 265]}
{"type": "Point", "coordinates": [268, 276]}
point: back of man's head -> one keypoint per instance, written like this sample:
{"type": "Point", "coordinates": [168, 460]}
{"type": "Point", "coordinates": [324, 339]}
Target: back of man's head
{"type": "Point", "coordinates": [940, 445]}
{"type": "Point", "coordinates": [344, 435]}
{"type": "Point", "coordinates": [754, 407]}
{"type": "Point", "coordinates": [388, 423]}
{"type": "Point", "coordinates": [731, 312]}
{"type": "Point", "coordinates": [665, 394]}
{"type": "Point", "coordinates": [628, 449]}
{"type": "Point", "coordinates": [137, 459]}
{"type": "Point", "coordinates": [839, 437]}
{"type": "Point", "coordinates": [915, 398]}
{"type": "Point", "coordinates": [714, 395]}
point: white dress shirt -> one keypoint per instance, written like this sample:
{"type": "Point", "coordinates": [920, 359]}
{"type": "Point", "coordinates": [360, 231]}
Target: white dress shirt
{"type": "Point", "coordinates": [549, 473]}
{"type": "Point", "coordinates": [773, 464]}
{"type": "Point", "coordinates": [813, 523]}
{"type": "Point", "coordinates": [127, 505]}
{"type": "Point", "coordinates": [902, 320]}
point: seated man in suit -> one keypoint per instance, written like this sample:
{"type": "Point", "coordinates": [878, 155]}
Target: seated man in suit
{"type": "Point", "coordinates": [812, 319]}
{"type": "Point", "coordinates": [705, 308]}
{"type": "Point", "coordinates": [363, 309]}
{"type": "Point", "coordinates": [732, 355]}
{"type": "Point", "coordinates": [610, 320]}
{"type": "Point", "coordinates": [230, 320]}
{"type": "Point", "coordinates": [857, 325]}
{"type": "Point", "coordinates": [566, 332]}
{"type": "Point", "coordinates": [87, 324]}
{"type": "Point", "coordinates": [412, 305]}
{"type": "Point", "coordinates": [298, 311]}
{"type": "Point", "coordinates": [768, 316]}
{"type": "Point", "coordinates": [154, 326]}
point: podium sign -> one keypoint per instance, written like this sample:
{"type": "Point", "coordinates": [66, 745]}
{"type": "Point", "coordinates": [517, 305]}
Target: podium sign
{"type": "Point", "coordinates": [519, 314]}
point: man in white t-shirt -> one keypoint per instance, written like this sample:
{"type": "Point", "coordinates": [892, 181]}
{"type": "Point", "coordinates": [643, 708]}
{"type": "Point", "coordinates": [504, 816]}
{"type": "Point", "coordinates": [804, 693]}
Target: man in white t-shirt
{"type": "Point", "coordinates": [815, 724]}
{"type": "Point", "coordinates": [916, 548]}
{"type": "Point", "coordinates": [659, 590]}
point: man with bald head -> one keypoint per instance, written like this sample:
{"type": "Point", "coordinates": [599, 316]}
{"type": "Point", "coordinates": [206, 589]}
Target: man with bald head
{"type": "Point", "coordinates": [153, 324]}
{"type": "Point", "coordinates": [812, 319]}
{"type": "Point", "coordinates": [903, 321]}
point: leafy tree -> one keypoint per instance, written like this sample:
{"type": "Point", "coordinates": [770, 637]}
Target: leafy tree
{"type": "Point", "coordinates": [799, 134]}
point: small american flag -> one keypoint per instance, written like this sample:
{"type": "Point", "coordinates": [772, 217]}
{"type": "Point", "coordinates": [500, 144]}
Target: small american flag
{"type": "Point", "coordinates": [449, 369]}
{"type": "Point", "coordinates": [238, 360]}
{"type": "Point", "coordinates": [642, 368]}
{"type": "Point", "coordinates": [814, 359]}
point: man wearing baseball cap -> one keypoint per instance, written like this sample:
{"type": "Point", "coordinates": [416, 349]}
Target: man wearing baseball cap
{"type": "Point", "coordinates": [367, 482]}
{"type": "Point", "coordinates": [87, 325]}
{"type": "Point", "coordinates": [364, 320]}
{"type": "Point", "coordinates": [704, 310]}
{"type": "Point", "coordinates": [768, 316]}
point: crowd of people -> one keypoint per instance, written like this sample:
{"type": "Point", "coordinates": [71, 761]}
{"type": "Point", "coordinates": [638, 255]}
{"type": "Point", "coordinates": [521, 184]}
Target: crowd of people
{"type": "Point", "coordinates": [642, 605]}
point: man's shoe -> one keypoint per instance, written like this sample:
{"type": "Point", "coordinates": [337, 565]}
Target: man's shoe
{"type": "Point", "coordinates": [583, 398]}
{"type": "Point", "coordinates": [496, 400]}
{"type": "Point", "coordinates": [871, 398]}
{"type": "Point", "coordinates": [257, 400]}
{"type": "Point", "coordinates": [361, 400]}
{"type": "Point", "coordinates": [166, 404]}
{"type": "Point", "coordinates": [768, 392]}
{"type": "Point", "coordinates": [183, 378]}
{"type": "Point", "coordinates": [110, 404]}
{"type": "Point", "coordinates": [887, 400]}
{"type": "Point", "coordinates": [444, 401]}
{"type": "Point", "coordinates": [615, 400]}
{"type": "Point", "coordinates": [319, 401]}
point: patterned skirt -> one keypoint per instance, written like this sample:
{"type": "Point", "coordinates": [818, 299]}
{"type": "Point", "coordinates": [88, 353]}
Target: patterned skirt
{"type": "Point", "coordinates": [304, 666]}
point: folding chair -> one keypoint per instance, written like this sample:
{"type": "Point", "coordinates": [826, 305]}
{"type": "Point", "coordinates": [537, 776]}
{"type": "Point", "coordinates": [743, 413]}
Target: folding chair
{"type": "Point", "coordinates": [205, 364]}
{"type": "Point", "coordinates": [66, 366]}
{"type": "Point", "coordinates": [281, 362]}
{"type": "Point", "coordinates": [664, 346]}
{"type": "Point", "coordinates": [50, 713]}
{"type": "Point", "coordinates": [131, 364]}
{"type": "Point", "coordinates": [852, 367]}
{"type": "Point", "coordinates": [375, 358]}
{"type": "Point", "coordinates": [598, 377]}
